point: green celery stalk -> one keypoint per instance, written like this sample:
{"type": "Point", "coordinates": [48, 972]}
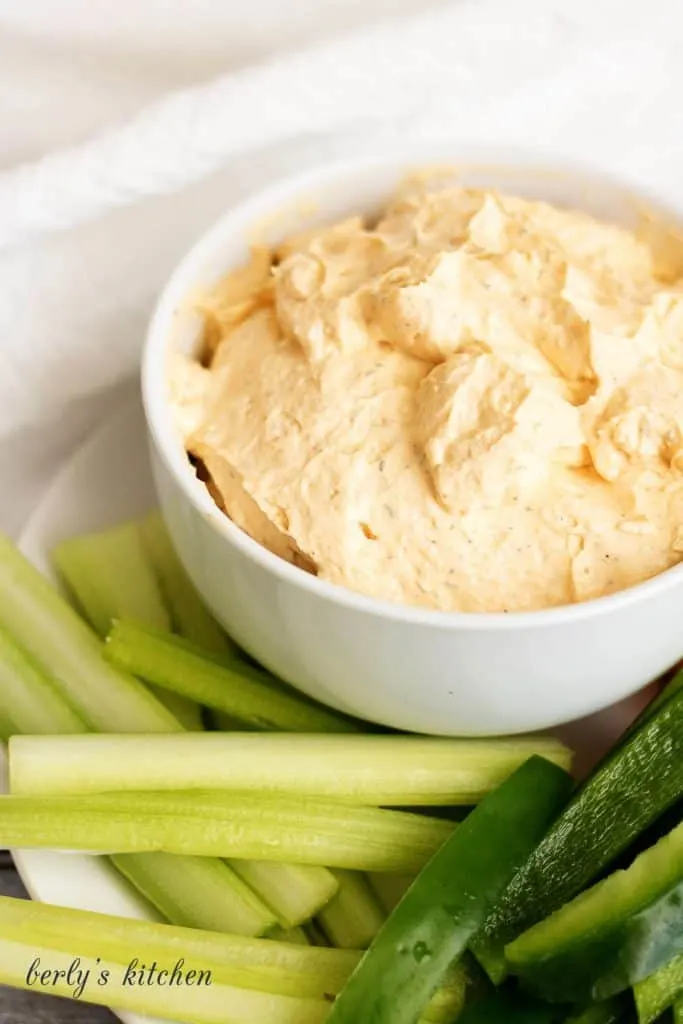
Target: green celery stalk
{"type": "Point", "coordinates": [678, 1011]}
{"type": "Point", "coordinates": [202, 1003]}
{"type": "Point", "coordinates": [296, 935]}
{"type": "Point", "coordinates": [294, 892]}
{"type": "Point", "coordinates": [290, 970]}
{"type": "Point", "coordinates": [110, 577]}
{"type": "Point", "coordinates": [190, 616]}
{"type": "Point", "coordinates": [7, 727]}
{"type": "Point", "coordinates": [108, 700]}
{"type": "Point", "coordinates": [278, 968]}
{"type": "Point", "coordinates": [214, 899]}
{"type": "Point", "coordinates": [186, 891]}
{"type": "Point", "coordinates": [225, 825]}
{"type": "Point", "coordinates": [43, 623]}
{"type": "Point", "coordinates": [40, 704]}
{"type": "Point", "coordinates": [353, 918]}
{"type": "Point", "coordinates": [369, 770]}
{"type": "Point", "coordinates": [29, 697]}
{"type": "Point", "coordinates": [390, 889]}
{"type": "Point", "coordinates": [249, 694]}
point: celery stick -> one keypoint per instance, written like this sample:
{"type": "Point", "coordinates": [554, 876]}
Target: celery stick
{"type": "Point", "coordinates": [280, 968]}
{"type": "Point", "coordinates": [197, 891]}
{"type": "Point", "coordinates": [107, 699]}
{"type": "Point", "coordinates": [371, 770]}
{"type": "Point", "coordinates": [116, 985]}
{"type": "Point", "coordinates": [190, 616]}
{"type": "Point", "coordinates": [270, 966]}
{"type": "Point", "coordinates": [29, 697]}
{"type": "Point", "coordinates": [225, 825]}
{"type": "Point", "coordinates": [7, 726]}
{"type": "Point", "coordinates": [110, 577]}
{"type": "Point", "coordinates": [353, 918]}
{"type": "Point", "coordinates": [294, 892]}
{"type": "Point", "coordinates": [296, 935]}
{"type": "Point", "coordinates": [250, 694]}
{"type": "Point", "coordinates": [42, 622]}
{"type": "Point", "coordinates": [390, 889]}
{"type": "Point", "coordinates": [215, 898]}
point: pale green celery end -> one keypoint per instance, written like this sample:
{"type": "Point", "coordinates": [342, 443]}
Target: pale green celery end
{"type": "Point", "coordinates": [110, 576]}
{"type": "Point", "coordinates": [289, 969]}
{"type": "Point", "coordinates": [40, 620]}
{"type": "Point", "coordinates": [200, 1003]}
{"type": "Point", "coordinates": [30, 699]}
{"type": "Point", "coordinates": [352, 919]}
{"type": "Point", "coordinates": [189, 614]}
{"type": "Point", "coordinates": [294, 892]}
{"type": "Point", "coordinates": [197, 892]}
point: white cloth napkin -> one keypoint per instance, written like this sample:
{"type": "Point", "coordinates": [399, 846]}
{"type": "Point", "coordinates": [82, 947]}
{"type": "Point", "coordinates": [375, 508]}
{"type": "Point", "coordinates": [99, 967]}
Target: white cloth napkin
{"type": "Point", "coordinates": [90, 229]}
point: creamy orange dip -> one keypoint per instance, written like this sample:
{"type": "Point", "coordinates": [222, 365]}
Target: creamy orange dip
{"type": "Point", "coordinates": [474, 404]}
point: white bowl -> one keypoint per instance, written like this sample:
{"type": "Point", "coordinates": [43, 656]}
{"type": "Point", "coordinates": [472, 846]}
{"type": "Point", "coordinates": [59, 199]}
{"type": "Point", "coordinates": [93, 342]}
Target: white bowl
{"type": "Point", "coordinates": [406, 667]}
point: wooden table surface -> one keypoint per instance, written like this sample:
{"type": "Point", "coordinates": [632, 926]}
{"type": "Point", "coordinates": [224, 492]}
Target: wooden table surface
{"type": "Point", "coordinates": [27, 1007]}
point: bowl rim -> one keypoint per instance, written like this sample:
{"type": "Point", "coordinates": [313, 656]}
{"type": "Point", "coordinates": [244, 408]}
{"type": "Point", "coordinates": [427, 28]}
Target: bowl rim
{"type": "Point", "coordinates": [248, 212]}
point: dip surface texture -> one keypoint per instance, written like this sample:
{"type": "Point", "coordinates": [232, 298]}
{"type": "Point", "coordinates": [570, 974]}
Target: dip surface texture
{"type": "Point", "coordinates": [475, 404]}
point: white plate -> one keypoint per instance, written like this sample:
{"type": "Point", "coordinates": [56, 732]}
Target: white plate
{"type": "Point", "coordinates": [107, 481]}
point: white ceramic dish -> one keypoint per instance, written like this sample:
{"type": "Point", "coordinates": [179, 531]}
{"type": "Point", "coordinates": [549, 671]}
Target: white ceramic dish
{"type": "Point", "coordinates": [107, 481]}
{"type": "Point", "coordinates": [406, 667]}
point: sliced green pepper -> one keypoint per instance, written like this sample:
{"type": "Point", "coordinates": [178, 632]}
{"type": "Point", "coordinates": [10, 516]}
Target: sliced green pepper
{"type": "Point", "coordinates": [636, 783]}
{"type": "Point", "coordinates": [611, 936]}
{"type": "Point", "coordinates": [450, 899]}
